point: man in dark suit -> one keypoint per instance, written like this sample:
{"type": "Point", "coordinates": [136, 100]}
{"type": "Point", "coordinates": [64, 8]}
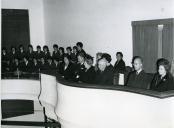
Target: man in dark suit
{"type": "Point", "coordinates": [80, 67]}
{"type": "Point", "coordinates": [80, 48]}
{"type": "Point", "coordinates": [105, 74]}
{"type": "Point", "coordinates": [26, 65]}
{"type": "Point", "coordinates": [30, 53]}
{"type": "Point", "coordinates": [119, 66]}
{"type": "Point", "coordinates": [36, 66]}
{"type": "Point", "coordinates": [38, 54]}
{"type": "Point", "coordinates": [55, 54]}
{"type": "Point", "coordinates": [21, 54]}
{"type": "Point", "coordinates": [138, 78]}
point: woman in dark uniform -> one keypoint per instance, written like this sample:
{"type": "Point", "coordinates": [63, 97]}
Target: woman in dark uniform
{"type": "Point", "coordinates": [88, 76]}
{"type": "Point", "coordinates": [61, 53]}
{"type": "Point", "coordinates": [163, 80]}
{"type": "Point", "coordinates": [66, 68]}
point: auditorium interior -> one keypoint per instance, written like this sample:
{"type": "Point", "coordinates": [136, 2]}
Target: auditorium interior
{"type": "Point", "coordinates": [87, 63]}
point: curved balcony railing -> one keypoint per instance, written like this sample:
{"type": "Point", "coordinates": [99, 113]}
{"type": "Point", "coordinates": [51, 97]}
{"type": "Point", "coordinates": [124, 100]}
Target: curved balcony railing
{"type": "Point", "coordinates": [81, 105]}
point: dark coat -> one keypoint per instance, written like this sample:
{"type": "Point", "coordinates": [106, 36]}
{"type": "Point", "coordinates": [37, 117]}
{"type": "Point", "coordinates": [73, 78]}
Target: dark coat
{"type": "Point", "coordinates": [46, 56]}
{"type": "Point", "coordinates": [105, 77]}
{"type": "Point", "coordinates": [138, 81]}
{"type": "Point", "coordinates": [79, 70]}
{"type": "Point", "coordinates": [26, 67]}
{"type": "Point", "coordinates": [36, 67]}
{"type": "Point", "coordinates": [21, 55]}
{"type": "Point", "coordinates": [164, 84]}
{"type": "Point", "coordinates": [56, 55]}
{"type": "Point", "coordinates": [30, 55]}
{"type": "Point", "coordinates": [74, 58]}
{"type": "Point", "coordinates": [12, 56]}
{"type": "Point", "coordinates": [88, 76]}
{"type": "Point", "coordinates": [39, 55]}
{"type": "Point", "coordinates": [14, 67]}
{"type": "Point", "coordinates": [119, 66]}
{"type": "Point", "coordinates": [67, 73]}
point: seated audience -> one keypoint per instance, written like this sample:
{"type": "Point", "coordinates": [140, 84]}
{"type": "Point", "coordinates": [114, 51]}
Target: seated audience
{"type": "Point", "coordinates": [88, 76]}
{"type": "Point", "coordinates": [67, 69]}
{"type": "Point", "coordinates": [30, 53]}
{"type": "Point", "coordinates": [80, 48]}
{"type": "Point", "coordinates": [138, 78]}
{"type": "Point", "coordinates": [80, 67]}
{"type": "Point", "coordinates": [74, 55]}
{"type": "Point", "coordinates": [61, 53]}
{"type": "Point", "coordinates": [98, 57]}
{"type": "Point", "coordinates": [104, 75]}
{"type": "Point", "coordinates": [38, 54]}
{"type": "Point", "coordinates": [21, 54]}
{"type": "Point", "coordinates": [119, 66]}
{"type": "Point", "coordinates": [55, 54]}
{"type": "Point", "coordinates": [163, 80]}
{"type": "Point", "coordinates": [46, 53]}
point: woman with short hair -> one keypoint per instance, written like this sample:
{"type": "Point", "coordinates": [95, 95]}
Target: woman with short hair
{"type": "Point", "coordinates": [88, 76]}
{"type": "Point", "coordinates": [163, 80]}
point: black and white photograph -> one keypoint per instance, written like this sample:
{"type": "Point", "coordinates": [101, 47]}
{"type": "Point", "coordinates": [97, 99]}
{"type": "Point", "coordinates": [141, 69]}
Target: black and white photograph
{"type": "Point", "coordinates": [87, 63]}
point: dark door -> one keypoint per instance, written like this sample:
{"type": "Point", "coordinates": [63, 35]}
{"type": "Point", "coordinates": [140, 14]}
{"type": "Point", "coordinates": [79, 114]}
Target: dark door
{"type": "Point", "coordinates": [15, 28]}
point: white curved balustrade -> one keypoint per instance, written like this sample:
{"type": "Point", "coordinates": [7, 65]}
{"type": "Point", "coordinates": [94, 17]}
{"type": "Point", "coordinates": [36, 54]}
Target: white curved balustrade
{"type": "Point", "coordinates": [48, 96]}
{"type": "Point", "coordinates": [99, 108]}
{"type": "Point", "coordinates": [75, 106]}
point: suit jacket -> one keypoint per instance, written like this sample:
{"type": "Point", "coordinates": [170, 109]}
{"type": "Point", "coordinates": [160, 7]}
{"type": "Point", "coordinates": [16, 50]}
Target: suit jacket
{"type": "Point", "coordinates": [56, 55]}
{"type": "Point", "coordinates": [14, 67]}
{"type": "Point", "coordinates": [74, 58]}
{"type": "Point", "coordinates": [39, 55]}
{"type": "Point", "coordinates": [88, 76]}
{"type": "Point", "coordinates": [36, 67]}
{"type": "Point", "coordinates": [67, 73]}
{"type": "Point", "coordinates": [164, 84]}
{"type": "Point", "coordinates": [79, 70]}
{"type": "Point", "coordinates": [120, 66]}
{"type": "Point", "coordinates": [82, 51]}
{"type": "Point", "coordinates": [12, 56]}
{"type": "Point", "coordinates": [31, 55]}
{"type": "Point", "coordinates": [21, 55]}
{"type": "Point", "coordinates": [105, 77]}
{"type": "Point", "coordinates": [26, 67]}
{"type": "Point", "coordinates": [138, 81]}
{"type": "Point", "coordinates": [46, 56]}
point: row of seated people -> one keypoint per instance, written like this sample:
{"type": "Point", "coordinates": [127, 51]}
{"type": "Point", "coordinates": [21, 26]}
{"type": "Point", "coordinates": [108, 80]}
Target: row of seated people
{"type": "Point", "coordinates": [103, 72]}
{"type": "Point", "coordinates": [38, 54]}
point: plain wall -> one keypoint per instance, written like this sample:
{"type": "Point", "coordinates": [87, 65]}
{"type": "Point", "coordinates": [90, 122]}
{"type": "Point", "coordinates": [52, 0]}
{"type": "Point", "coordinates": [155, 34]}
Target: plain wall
{"type": "Point", "coordinates": [36, 17]}
{"type": "Point", "coordinates": [102, 25]}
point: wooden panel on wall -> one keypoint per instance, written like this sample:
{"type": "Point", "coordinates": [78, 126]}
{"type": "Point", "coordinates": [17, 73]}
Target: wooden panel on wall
{"type": "Point", "coordinates": [15, 28]}
{"type": "Point", "coordinates": [146, 41]}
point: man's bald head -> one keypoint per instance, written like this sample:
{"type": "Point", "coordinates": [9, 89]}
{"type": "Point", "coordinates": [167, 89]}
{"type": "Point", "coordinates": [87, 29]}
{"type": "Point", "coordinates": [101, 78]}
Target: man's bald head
{"type": "Point", "coordinates": [138, 63]}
